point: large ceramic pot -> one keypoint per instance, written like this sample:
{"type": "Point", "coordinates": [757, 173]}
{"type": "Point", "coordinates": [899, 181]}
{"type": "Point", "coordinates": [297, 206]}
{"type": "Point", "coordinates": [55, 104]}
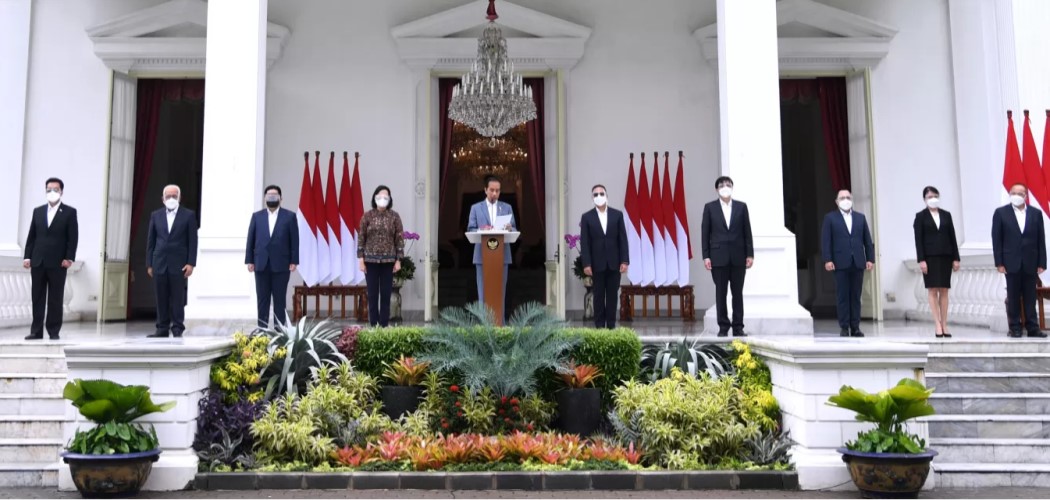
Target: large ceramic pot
{"type": "Point", "coordinates": [579, 410]}
{"type": "Point", "coordinates": [105, 476]}
{"type": "Point", "coordinates": [399, 400]}
{"type": "Point", "coordinates": [888, 475]}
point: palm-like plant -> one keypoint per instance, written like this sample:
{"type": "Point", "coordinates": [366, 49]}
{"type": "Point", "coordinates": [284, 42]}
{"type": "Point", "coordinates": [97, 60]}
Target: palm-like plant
{"type": "Point", "coordinates": [506, 360]}
{"type": "Point", "coordinates": [692, 358]}
{"type": "Point", "coordinates": [299, 350]}
{"type": "Point", "coordinates": [113, 407]}
{"type": "Point", "coordinates": [889, 410]}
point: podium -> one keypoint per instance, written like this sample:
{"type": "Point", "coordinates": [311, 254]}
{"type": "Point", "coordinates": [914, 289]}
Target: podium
{"type": "Point", "coordinates": [492, 243]}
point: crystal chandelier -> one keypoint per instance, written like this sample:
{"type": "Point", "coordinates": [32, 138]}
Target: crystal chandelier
{"type": "Point", "coordinates": [479, 158]}
{"type": "Point", "coordinates": [491, 98]}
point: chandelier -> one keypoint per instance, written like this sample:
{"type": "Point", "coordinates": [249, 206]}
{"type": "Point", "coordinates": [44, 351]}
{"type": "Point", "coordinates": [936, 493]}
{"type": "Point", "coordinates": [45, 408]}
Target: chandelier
{"type": "Point", "coordinates": [491, 98]}
{"type": "Point", "coordinates": [479, 158]}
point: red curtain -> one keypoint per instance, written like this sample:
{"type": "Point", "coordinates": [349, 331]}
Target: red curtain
{"type": "Point", "coordinates": [152, 94]}
{"type": "Point", "coordinates": [535, 138]}
{"type": "Point", "coordinates": [831, 93]}
{"type": "Point", "coordinates": [445, 86]}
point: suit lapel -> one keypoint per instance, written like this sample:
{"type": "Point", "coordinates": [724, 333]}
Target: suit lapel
{"type": "Point", "coordinates": [734, 213]}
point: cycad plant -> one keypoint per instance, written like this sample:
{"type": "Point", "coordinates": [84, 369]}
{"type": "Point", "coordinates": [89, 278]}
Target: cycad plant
{"type": "Point", "coordinates": [304, 348]}
{"type": "Point", "coordinates": [468, 343]}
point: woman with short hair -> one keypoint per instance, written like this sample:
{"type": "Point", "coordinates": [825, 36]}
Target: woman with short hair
{"type": "Point", "coordinates": [937, 252]}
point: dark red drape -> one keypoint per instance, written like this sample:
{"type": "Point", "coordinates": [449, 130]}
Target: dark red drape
{"type": "Point", "coordinates": [535, 138]}
{"type": "Point", "coordinates": [831, 93]}
{"type": "Point", "coordinates": [151, 96]}
{"type": "Point", "coordinates": [445, 86]}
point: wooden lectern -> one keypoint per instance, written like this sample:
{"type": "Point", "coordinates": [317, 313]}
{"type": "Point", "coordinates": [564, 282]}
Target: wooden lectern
{"type": "Point", "coordinates": [492, 266]}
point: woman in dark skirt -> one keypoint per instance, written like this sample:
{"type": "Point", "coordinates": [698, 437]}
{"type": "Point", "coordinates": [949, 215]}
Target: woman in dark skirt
{"type": "Point", "coordinates": [937, 252]}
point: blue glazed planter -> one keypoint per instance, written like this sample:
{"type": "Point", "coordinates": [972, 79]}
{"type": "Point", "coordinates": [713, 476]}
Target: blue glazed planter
{"type": "Point", "coordinates": [106, 476]}
{"type": "Point", "coordinates": [888, 475]}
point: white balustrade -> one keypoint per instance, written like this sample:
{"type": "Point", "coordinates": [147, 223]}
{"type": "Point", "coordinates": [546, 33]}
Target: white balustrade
{"type": "Point", "coordinates": [977, 296]}
{"type": "Point", "coordinates": [16, 301]}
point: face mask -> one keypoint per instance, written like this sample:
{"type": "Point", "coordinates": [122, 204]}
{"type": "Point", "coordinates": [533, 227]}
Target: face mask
{"type": "Point", "coordinates": [273, 201]}
{"type": "Point", "coordinates": [171, 203]}
{"type": "Point", "coordinates": [600, 201]}
{"type": "Point", "coordinates": [53, 196]}
{"type": "Point", "coordinates": [382, 201]}
{"type": "Point", "coordinates": [1016, 200]}
{"type": "Point", "coordinates": [845, 205]}
{"type": "Point", "coordinates": [725, 191]}
{"type": "Point", "coordinates": [933, 202]}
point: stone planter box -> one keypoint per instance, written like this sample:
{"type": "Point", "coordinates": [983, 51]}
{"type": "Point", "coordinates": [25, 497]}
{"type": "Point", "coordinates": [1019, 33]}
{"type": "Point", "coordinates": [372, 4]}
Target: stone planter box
{"type": "Point", "coordinates": [518, 480]}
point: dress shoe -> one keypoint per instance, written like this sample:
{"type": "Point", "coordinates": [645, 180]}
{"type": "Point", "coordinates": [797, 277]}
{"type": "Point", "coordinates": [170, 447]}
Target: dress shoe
{"type": "Point", "coordinates": [53, 337]}
{"type": "Point", "coordinates": [856, 333]}
{"type": "Point", "coordinates": [739, 333]}
{"type": "Point", "coordinates": [843, 332]}
{"type": "Point", "coordinates": [1014, 335]}
{"type": "Point", "coordinates": [1037, 334]}
{"type": "Point", "coordinates": [34, 337]}
{"type": "Point", "coordinates": [177, 335]}
{"type": "Point", "coordinates": [723, 333]}
{"type": "Point", "coordinates": [157, 335]}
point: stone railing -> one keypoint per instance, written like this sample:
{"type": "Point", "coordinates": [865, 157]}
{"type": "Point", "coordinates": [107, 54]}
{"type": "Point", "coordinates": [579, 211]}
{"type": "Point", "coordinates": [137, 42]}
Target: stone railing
{"type": "Point", "coordinates": [977, 296]}
{"type": "Point", "coordinates": [16, 301]}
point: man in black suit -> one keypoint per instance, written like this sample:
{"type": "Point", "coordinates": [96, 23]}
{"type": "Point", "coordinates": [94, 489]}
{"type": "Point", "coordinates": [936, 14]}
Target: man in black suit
{"type": "Point", "coordinates": [728, 251]}
{"type": "Point", "coordinates": [1019, 249]}
{"type": "Point", "coordinates": [272, 254]}
{"type": "Point", "coordinates": [171, 255]}
{"type": "Point", "coordinates": [51, 248]}
{"type": "Point", "coordinates": [848, 251]}
{"type": "Point", "coordinates": [605, 255]}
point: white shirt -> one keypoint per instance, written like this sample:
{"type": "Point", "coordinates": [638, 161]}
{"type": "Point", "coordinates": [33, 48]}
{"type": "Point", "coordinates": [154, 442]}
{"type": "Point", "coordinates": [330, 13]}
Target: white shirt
{"type": "Point", "coordinates": [1021, 214]}
{"type": "Point", "coordinates": [171, 217]}
{"type": "Point", "coordinates": [848, 217]}
{"type": "Point", "coordinates": [272, 216]}
{"type": "Point", "coordinates": [603, 217]}
{"type": "Point", "coordinates": [492, 211]}
{"type": "Point", "coordinates": [51, 211]}
{"type": "Point", "coordinates": [936, 218]}
{"type": "Point", "coordinates": [727, 210]}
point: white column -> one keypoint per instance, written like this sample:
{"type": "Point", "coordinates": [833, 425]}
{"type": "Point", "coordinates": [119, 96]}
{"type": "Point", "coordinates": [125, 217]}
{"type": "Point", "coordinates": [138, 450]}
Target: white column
{"type": "Point", "coordinates": [15, 24]}
{"type": "Point", "coordinates": [221, 292]}
{"type": "Point", "coordinates": [749, 118]}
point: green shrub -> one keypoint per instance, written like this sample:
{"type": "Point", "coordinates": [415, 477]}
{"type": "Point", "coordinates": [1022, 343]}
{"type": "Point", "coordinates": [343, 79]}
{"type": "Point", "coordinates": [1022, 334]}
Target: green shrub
{"type": "Point", "coordinates": [756, 382]}
{"type": "Point", "coordinates": [378, 346]}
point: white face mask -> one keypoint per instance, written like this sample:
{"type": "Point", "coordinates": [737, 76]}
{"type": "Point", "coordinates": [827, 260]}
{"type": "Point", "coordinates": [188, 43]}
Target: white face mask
{"type": "Point", "coordinates": [1016, 200]}
{"type": "Point", "coordinates": [382, 201]}
{"type": "Point", "coordinates": [53, 197]}
{"type": "Point", "coordinates": [725, 191]}
{"type": "Point", "coordinates": [845, 205]}
{"type": "Point", "coordinates": [600, 201]}
{"type": "Point", "coordinates": [933, 202]}
{"type": "Point", "coordinates": [171, 203]}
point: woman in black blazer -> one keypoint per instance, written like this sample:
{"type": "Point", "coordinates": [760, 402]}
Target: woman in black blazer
{"type": "Point", "coordinates": [937, 252]}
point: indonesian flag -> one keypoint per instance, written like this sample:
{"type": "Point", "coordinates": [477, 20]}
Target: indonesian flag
{"type": "Point", "coordinates": [1032, 170]}
{"type": "Point", "coordinates": [347, 228]}
{"type": "Point", "coordinates": [634, 228]}
{"type": "Point", "coordinates": [307, 228]}
{"type": "Point", "coordinates": [358, 204]}
{"type": "Point", "coordinates": [1013, 171]}
{"type": "Point", "coordinates": [670, 232]}
{"type": "Point", "coordinates": [645, 217]}
{"type": "Point", "coordinates": [685, 244]}
{"type": "Point", "coordinates": [659, 264]}
{"type": "Point", "coordinates": [331, 204]}
{"type": "Point", "coordinates": [324, 258]}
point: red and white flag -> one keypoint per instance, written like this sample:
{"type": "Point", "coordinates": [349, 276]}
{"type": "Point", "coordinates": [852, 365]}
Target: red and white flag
{"type": "Point", "coordinates": [634, 228]}
{"type": "Point", "coordinates": [1013, 170]}
{"type": "Point", "coordinates": [1032, 169]}
{"type": "Point", "coordinates": [685, 245]}
{"type": "Point", "coordinates": [645, 218]}
{"type": "Point", "coordinates": [347, 228]}
{"type": "Point", "coordinates": [307, 228]}
{"type": "Point", "coordinates": [323, 256]}
{"type": "Point", "coordinates": [331, 204]}
{"type": "Point", "coordinates": [659, 265]}
{"type": "Point", "coordinates": [1046, 152]}
{"type": "Point", "coordinates": [358, 204]}
{"type": "Point", "coordinates": [670, 256]}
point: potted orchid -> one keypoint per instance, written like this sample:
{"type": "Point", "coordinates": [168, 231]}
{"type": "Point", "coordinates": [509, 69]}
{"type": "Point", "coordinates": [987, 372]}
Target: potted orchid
{"type": "Point", "coordinates": [572, 241]}
{"type": "Point", "coordinates": [408, 266]}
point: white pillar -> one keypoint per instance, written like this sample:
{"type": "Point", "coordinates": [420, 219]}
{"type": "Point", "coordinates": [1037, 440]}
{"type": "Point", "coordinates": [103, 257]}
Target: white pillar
{"type": "Point", "coordinates": [15, 24]}
{"type": "Point", "coordinates": [749, 119]}
{"type": "Point", "coordinates": [221, 292]}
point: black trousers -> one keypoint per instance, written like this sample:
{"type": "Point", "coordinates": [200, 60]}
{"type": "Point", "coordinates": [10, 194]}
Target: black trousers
{"type": "Point", "coordinates": [848, 286]}
{"type": "Point", "coordinates": [1020, 289]}
{"type": "Point", "coordinates": [729, 279]}
{"type": "Point", "coordinates": [272, 286]}
{"type": "Point", "coordinates": [171, 302]}
{"type": "Point", "coordinates": [380, 281]}
{"type": "Point", "coordinates": [606, 291]}
{"type": "Point", "coordinates": [49, 285]}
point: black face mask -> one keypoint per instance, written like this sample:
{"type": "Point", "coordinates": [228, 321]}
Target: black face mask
{"type": "Point", "coordinates": [273, 204]}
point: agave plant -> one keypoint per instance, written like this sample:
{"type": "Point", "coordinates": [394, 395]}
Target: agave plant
{"type": "Point", "coordinates": [113, 407]}
{"type": "Point", "coordinates": [580, 376]}
{"type": "Point", "coordinates": [303, 348]}
{"type": "Point", "coordinates": [692, 358]}
{"type": "Point", "coordinates": [507, 360]}
{"type": "Point", "coordinates": [768, 448]}
{"type": "Point", "coordinates": [406, 371]}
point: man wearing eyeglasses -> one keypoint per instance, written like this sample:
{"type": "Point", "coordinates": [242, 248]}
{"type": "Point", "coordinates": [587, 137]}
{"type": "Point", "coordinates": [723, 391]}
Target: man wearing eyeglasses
{"type": "Point", "coordinates": [605, 256]}
{"type": "Point", "coordinates": [728, 250]}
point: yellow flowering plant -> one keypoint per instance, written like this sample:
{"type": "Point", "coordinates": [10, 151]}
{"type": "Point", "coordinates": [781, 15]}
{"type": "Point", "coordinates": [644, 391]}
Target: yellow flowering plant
{"type": "Point", "coordinates": [244, 367]}
{"type": "Point", "coordinates": [756, 384]}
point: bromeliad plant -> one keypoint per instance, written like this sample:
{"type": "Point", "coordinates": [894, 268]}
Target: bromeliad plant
{"type": "Point", "coordinates": [305, 348]}
{"type": "Point", "coordinates": [691, 358]}
{"type": "Point", "coordinates": [406, 371]}
{"type": "Point", "coordinates": [889, 410]}
{"type": "Point", "coordinates": [113, 407]}
{"type": "Point", "coordinates": [580, 376]}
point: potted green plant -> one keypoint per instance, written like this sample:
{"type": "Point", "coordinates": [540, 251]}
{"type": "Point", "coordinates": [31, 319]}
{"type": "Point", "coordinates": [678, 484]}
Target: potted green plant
{"type": "Point", "coordinates": [404, 394]}
{"type": "Point", "coordinates": [887, 461]}
{"type": "Point", "coordinates": [115, 457]}
{"type": "Point", "coordinates": [580, 403]}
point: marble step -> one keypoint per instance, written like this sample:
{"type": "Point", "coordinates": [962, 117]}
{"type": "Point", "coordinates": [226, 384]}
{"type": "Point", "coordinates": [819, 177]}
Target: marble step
{"type": "Point", "coordinates": [33, 363]}
{"type": "Point", "coordinates": [23, 347]}
{"type": "Point", "coordinates": [30, 450]}
{"type": "Point", "coordinates": [1009, 403]}
{"type": "Point", "coordinates": [1002, 451]}
{"type": "Point", "coordinates": [958, 345]}
{"type": "Point", "coordinates": [951, 382]}
{"type": "Point", "coordinates": [29, 475]}
{"type": "Point", "coordinates": [31, 426]}
{"type": "Point", "coordinates": [32, 383]}
{"type": "Point", "coordinates": [989, 362]}
{"type": "Point", "coordinates": [32, 404]}
{"type": "Point", "coordinates": [981, 475]}
{"type": "Point", "coordinates": [989, 426]}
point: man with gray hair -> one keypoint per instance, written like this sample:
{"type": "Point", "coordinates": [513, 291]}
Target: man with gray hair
{"type": "Point", "coordinates": [171, 255]}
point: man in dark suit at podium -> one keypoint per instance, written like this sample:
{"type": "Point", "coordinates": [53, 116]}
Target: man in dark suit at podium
{"type": "Point", "coordinates": [1019, 250]}
{"type": "Point", "coordinates": [483, 217]}
{"type": "Point", "coordinates": [604, 253]}
{"type": "Point", "coordinates": [51, 248]}
{"type": "Point", "coordinates": [272, 254]}
{"type": "Point", "coordinates": [171, 255]}
{"type": "Point", "coordinates": [728, 250]}
{"type": "Point", "coordinates": [848, 251]}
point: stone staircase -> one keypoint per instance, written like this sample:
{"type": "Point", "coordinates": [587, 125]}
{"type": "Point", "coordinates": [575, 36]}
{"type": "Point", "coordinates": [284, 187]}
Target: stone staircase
{"type": "Point", "coordinates": [992, 426]}
{"type": "Point", "coordinates": [32, 413]}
